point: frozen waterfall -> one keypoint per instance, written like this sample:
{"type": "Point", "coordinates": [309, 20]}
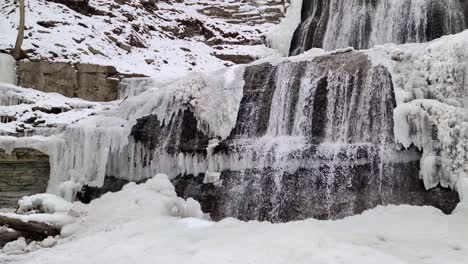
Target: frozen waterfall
{"type": "Point", "coordinates": [7, 69]}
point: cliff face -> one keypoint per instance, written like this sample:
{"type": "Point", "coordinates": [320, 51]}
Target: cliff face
{"type": "Point", "coordinates": [85, 81]}
{"type": "Point", "coordinates": [22, 172]}
{"type": "Point", "coordinates": [333, 24]}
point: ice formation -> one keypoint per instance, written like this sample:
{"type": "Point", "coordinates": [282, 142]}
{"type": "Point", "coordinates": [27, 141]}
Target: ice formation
{"type": "Point", "coordinates": [7, 69]}
{"type": "Point", "coordinates": [214, 98]}
{"type": "Point", "coordinates": [134, 86]}
{"type": "Point", "coordinates": [430, 84]}
{"type": "Point", "coordinates": [281, 35]}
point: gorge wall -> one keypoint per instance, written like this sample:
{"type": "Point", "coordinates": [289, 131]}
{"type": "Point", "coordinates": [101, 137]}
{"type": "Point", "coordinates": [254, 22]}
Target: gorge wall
{"type": "Point", "coordinates": [333, 24]}
{"type": "Point", "coordinates": [22, 172]}
{"type": "Point", "coordinates": [85, 81]}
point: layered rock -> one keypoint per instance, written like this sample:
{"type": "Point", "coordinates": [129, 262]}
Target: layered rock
{"type": "Point", "coordinates": [22, 172]}
{"type": "Point", "coordinates": [86, 81]}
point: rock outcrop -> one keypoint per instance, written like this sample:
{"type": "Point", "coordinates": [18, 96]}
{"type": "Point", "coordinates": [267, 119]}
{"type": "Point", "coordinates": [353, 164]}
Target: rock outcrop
{"type": "Point", "coordinates": [23, 172]}
{"type": "Point", "coordinates": [85, 81]}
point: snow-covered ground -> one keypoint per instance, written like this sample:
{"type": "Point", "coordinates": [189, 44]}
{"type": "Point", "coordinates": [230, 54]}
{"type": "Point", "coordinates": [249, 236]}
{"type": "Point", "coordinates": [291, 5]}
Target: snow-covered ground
{"type": "Point", "coordinates": [147, 223]}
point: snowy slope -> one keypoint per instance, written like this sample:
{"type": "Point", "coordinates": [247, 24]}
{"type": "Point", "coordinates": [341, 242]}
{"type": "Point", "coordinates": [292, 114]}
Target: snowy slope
{"type": "Point", "coordinates": [171, 37]}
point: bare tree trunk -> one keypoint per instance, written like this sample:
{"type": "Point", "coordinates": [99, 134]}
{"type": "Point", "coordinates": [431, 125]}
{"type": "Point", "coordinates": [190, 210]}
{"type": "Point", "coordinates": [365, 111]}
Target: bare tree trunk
{"type": "Point", "coordinates": [19, 39]}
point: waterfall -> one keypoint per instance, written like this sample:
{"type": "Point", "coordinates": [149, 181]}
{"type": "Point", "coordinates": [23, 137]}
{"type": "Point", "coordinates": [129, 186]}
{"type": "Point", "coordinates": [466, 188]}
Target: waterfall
{"type": "Point", "coordinates": [334, 24]}
{"type": "Point", "coordinates": [312, 138]}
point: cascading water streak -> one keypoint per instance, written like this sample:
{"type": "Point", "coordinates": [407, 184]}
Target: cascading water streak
{"type": "Point", "coordinates": [334, 24]}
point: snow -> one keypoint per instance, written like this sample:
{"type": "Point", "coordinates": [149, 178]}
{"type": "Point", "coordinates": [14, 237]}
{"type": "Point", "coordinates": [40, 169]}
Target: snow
{"type": "Point", "coordinates": [214, 178]}
{"type": "Point", "coordinates": [7, 69]}
{"type": "Point", "coordinates": [37, 113]}
{"type": "Point", "coordinates": [44, 202]}
{"type": "Point", "coordinates": [148, 223]}
{"type": "Point", "coordinates": [15, 247]}
{"type": "Point", "coordinates": [57, 219]}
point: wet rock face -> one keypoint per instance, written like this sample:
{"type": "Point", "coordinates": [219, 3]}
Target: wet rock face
{"type": "Point", "coordinates": [333, 24]}
{"type": "Point", "coordinates": [180, 135]}
{"type": "Point", "coordinates": [23, 172]}
{"type": "Point", "coordinates": [86, 81]}
{"type": "Point", "coordinates": [312, 139]}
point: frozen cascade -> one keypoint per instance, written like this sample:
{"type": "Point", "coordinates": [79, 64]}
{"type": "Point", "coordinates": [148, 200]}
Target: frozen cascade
{"type": "Point", "coordinates": [80, 153]}
{"type": "Point", "coordinates": [280, 37]}
{"type": "Point", "coordinates": [7, 69]}
{"type": "Point", "coordinates": [430, 84]}
{"type": "Point", "coordinates": [214, 98]}
{"type": "Point", "coordinates": [280, 161]}
{"type": "Point", "coordinates": [334, 24]}
{"type": "Point", "coordinates": [85, 150]}
{"type": "Point", "coordinates": [134, 86]}
{"type": "Point", "coordinates": [305, 137]}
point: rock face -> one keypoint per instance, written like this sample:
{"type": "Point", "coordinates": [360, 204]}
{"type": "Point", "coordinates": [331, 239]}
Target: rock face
{"type": "Point", "coordinates": [86, 81]}
{"type": "Point", "coordinates": [312, 139]}
{"type": "Point", "coordinates": [23, 172]}
{"type": "Point", "coordinates": [332, 24]}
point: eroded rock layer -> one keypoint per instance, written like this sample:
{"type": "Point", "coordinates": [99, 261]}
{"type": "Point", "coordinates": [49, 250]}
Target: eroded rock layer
{"type": "Point", "coordinates": [22, 172]}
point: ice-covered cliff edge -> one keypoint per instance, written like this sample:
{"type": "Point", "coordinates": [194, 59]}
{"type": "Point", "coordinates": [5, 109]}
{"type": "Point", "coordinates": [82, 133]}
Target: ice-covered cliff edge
{"type": "Point", "coordinates": [431, 91]}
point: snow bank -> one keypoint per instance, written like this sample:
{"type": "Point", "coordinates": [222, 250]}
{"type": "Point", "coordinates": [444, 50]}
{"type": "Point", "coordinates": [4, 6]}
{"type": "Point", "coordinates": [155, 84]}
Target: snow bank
{"type": "Point", "coordinates": [154, 199]}
{"type": "Point", "coordinates": [145, 224]}
{"type": "Point", "coordinates": [281, 35]}
{"type": "Point", "coordinates": [7, 69]}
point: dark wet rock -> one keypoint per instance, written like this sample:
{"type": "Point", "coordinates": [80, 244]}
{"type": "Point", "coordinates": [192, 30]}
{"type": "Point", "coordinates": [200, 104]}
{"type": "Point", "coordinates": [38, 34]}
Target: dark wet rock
{"type": "Point", "coordinates": [111, 184]}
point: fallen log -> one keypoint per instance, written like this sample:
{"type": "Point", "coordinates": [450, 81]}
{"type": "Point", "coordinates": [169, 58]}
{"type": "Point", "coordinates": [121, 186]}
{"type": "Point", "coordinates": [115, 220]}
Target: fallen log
{"type": "Point", "coordinates": [31, 229]}
{"type": "Point", "coordinates": [10, 235]}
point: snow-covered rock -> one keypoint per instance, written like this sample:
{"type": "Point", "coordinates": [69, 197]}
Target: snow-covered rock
{"type": "Point", "coordinates": [167, 38]}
